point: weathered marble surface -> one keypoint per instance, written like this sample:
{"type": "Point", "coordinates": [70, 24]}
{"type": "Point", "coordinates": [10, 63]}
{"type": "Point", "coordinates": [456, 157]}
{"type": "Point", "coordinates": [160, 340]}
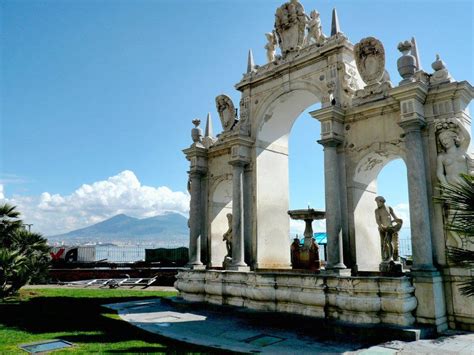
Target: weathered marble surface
{"type": "Point", "coordinates": [369, 300]}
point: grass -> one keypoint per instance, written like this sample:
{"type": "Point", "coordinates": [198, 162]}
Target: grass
{"type": "Point", "coordinates": [76, 315]}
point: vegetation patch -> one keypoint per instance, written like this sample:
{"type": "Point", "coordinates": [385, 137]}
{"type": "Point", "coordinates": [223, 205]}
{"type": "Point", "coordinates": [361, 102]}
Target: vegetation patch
{"type": "Point", "coordinates": [76, 315]}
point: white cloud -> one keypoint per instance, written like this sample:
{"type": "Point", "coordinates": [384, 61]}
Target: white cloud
{"type": "Point", "coordinates": [2, 195]}
{"type": "Point", "coordinates": [123, 193]}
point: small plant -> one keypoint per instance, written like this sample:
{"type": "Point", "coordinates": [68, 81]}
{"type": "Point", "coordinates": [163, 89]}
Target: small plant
{"type": "Point", "coordinates": [458, 199]}
{"type": "Point", "coordinates": [23, 255]}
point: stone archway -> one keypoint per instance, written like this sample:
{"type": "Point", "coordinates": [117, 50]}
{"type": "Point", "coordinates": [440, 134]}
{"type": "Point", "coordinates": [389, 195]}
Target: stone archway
{"type": "Point", "coordinates": [220, 204]}
{"type": "Point", "coordinates": [272, 176]}
{"type": "Point", "coordinates": [363, 190]}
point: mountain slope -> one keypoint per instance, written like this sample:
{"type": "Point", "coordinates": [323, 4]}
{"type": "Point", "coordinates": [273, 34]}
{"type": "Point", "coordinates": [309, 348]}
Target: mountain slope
{"type": "Point", "coordinates": [171, 227]}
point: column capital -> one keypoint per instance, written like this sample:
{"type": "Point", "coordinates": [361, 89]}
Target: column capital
{"type": "Point", "coordinates": [412, 125]}
{"type": "Point", "coordinates": [330, 141]}
{"type": "Point", "coordinates": [239, 162]}
{"type": "Point", "coordinates": [197, 172]}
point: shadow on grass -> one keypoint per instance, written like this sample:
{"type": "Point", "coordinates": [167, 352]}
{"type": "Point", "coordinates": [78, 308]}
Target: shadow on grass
{"type": "Point", "coordinates": [76, 315]}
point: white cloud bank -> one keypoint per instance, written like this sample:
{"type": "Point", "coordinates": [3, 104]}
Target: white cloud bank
{"type": "Point", "coordinates": [123, 193]}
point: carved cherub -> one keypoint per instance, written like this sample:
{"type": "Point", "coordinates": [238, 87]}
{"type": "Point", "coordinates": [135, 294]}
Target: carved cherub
{"type": "Point", "coordinates": [270, 46]}
{"type": "Point", "coordinates": [315, 33]}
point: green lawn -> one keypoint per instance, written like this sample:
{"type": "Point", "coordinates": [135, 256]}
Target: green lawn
{"type": "Point", "coordinates": [75, 315]}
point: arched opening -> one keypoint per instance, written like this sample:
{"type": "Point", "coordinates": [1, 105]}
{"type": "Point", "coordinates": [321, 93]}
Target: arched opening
{"type": "Point", "coordinates": [272, 225]}
{"type": "Point", "coordinates": [392, 184]}
{"type": "Point", "coordinates": [377, 174]}
{"type": "Point", "coordinates": [220, 206]}
{"type": "Point", "coordinates": [306, 170]}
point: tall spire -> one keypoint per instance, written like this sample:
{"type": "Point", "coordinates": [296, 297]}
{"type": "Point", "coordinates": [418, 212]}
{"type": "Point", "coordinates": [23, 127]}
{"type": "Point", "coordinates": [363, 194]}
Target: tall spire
{"type": "Point", "coordinates": [335, 23]}
{"type": "Point", "coordinates": [414, 51]}
{"type": "Point", "coordinates": [208, 131]}
{"type": "Point", "coordinates": [250, 62]}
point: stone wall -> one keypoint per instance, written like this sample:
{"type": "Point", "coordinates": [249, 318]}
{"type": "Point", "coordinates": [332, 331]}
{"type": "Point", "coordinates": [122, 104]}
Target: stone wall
{"type": "Point", "coordinates": [363, 300]}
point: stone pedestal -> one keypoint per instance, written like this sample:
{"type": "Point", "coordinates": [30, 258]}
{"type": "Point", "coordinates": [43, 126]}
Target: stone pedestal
{"type": "Point", "coordinates": [390, 267]}
{"type": "Point", "coordinates": [429, 292]}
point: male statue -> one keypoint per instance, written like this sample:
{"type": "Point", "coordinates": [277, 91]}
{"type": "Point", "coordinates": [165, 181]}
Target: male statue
{"type": "Point", "coordinates": [388, 229]}
{"type": "Point", "coordinates": [227, 237]}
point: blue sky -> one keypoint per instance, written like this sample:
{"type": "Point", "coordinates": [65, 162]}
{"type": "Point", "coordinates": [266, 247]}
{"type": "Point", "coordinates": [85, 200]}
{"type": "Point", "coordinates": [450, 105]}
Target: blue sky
{"type": "Point", "coordinates": [102, 93]}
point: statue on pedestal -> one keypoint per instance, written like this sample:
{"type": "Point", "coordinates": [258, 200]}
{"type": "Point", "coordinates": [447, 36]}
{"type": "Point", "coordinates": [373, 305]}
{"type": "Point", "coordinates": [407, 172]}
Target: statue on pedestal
{"type": "Point", "coordinates": [270, 46]}
{"type": "Point", "coordinates": [227, 237]}
{"type": "Point", "coordinates": [389, 226]}
{"type": "Point", "coordinates": [315, 32]}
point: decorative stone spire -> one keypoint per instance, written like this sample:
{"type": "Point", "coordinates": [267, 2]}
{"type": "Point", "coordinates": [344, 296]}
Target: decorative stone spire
{"type": "Point", "coordinates": [208, 130]}
{"type": "Point", "coordinates": [208, 139]}
{"type": "Point", "coordinates": [441, 74]}
{"type": "Point", "coordinates": [250, 62]}
{"type": "Point", "coordinates": [414, 52]}
{"type": "Point", "coordinates": [335, 23]}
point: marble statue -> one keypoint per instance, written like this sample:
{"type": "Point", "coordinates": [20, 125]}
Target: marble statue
{"type": "Point", "coordinates": [389, 226]}
{"type": "Point", "coordinates": [290, 25]}
{"type": "Point", "coordinates": [315, 32]}
{"type": "Point", "coordinates": [227, 237]}
{"type": "Point", "coordinates": [225, 108]}
{"type": "Point", "coordinates": [452, 159]}
{"type": "Point", "coordinates": [270, 46]}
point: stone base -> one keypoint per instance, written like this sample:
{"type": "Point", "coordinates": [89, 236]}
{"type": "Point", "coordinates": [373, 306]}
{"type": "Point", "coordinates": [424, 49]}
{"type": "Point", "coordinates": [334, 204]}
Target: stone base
{"type": "Point", "coordinates": [196, 266]}
{"type": "Point", "coordinates": [390, 267]}
{"type": "Point", "coordinates": [238, 268]}
{"type": "Point", "coordinates": [336, 272]}
{"type": "Point", "coordinates": [360, 300]}
{"type": "Point", "coordinates": [227, 263]}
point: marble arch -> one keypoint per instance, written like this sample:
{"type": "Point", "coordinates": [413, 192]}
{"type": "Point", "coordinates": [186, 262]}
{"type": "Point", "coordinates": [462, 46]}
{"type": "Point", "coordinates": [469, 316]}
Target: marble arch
{"type": "Point", "coordinates": [366, 121]}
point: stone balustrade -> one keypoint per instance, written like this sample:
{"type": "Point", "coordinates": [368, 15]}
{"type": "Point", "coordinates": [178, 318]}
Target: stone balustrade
{"type": "Point", "coordinates": [363, 300]}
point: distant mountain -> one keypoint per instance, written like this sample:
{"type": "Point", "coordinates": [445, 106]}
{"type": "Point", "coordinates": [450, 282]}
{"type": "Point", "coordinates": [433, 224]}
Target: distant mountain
{"type": "Point", "coordinates": [165, 229]}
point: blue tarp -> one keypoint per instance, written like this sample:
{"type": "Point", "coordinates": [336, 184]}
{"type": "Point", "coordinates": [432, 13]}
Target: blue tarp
{"type": "Point", "coordinates": [320, 238]}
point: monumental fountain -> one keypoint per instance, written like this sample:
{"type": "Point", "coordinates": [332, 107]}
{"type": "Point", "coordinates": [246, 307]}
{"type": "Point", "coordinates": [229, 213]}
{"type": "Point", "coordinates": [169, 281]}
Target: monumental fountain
{"type": "Point", "coordinates": [366, 122]}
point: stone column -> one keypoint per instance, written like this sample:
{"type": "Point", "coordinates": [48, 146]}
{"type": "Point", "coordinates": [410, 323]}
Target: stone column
{"type": "Point", "coordinates": [195, 178]}
{"type": "Point", "coordinates": [238, 254]}
{"type": "Point", "coordinates": [418, 197]}
{"type": "Point", "coordinates": [333, 204]}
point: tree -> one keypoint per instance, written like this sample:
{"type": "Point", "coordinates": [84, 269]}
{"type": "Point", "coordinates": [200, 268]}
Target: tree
{"type": "Point", "coordinates": [458, 199]}
{"type": "Point", "coordinates": [24, 256]}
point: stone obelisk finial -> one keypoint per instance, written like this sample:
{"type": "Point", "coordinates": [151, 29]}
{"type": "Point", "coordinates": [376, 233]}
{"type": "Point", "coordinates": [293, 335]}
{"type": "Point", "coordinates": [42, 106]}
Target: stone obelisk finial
{"type": "Point", "coordinates": [250, 62]}
{"type": "Point", "coordinates": [335, 23]}
{"type": "Point", "coordinates": [208, 130]}
{"type": "Point", "coordinates": [414, 51]}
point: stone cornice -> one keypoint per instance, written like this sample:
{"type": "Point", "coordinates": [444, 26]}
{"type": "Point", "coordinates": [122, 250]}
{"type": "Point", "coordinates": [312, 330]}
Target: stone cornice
{"type": "Point", "coordinates": [329, 113]}
{"type": "Point", "coordinates": [449, 91]}
{"type": "Point", "coordinates": [416, 90]}
{"type": "Point", "coordinates": [372, 109]}
{"type": "Point", "coordinates": [304, 57]}
{"type": "Point", "coordinates": [194, 151]}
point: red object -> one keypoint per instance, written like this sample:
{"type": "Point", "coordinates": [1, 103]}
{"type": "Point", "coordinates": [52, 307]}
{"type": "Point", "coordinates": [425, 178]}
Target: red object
{"type": "Point", "coordinates": [57, 256]}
